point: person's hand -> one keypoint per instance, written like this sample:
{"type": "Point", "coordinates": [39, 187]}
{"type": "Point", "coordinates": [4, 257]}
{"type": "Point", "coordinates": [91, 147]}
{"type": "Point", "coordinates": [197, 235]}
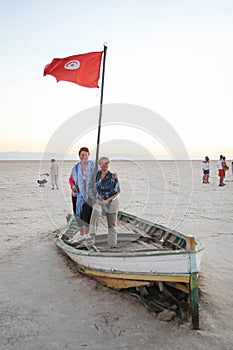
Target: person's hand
{"type": "Point", "coordinates": [116, 176]}
{"type": "Point", "coordinates": [98, 201]}
{"type": "Point", "coordinates": [74, 188]}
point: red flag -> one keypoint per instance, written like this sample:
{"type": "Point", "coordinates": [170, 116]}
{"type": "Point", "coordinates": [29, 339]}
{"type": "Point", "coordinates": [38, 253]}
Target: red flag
{"type": "Point", "coordinates": [81, 69]}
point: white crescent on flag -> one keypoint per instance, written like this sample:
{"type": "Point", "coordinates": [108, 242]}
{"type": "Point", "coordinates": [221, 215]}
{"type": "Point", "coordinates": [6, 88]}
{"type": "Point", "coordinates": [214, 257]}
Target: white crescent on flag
{"type": "Point", "coordinates": [72, 65]}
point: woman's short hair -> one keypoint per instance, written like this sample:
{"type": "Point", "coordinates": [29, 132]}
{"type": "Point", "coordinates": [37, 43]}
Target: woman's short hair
{"type": "Point", "coordinates": [85, 149]}
{"type": "Point", "coordinates": [107, 160]}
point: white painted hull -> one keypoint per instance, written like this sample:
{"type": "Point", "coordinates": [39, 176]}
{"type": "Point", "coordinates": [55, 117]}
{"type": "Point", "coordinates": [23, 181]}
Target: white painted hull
{"type": "Point", "coordinates": [158, 263]}
{"type": "Point", "coordinates": [147, 260]}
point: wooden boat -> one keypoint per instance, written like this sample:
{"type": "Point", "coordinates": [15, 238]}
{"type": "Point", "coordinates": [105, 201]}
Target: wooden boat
{"type": "Point", "coordinates": [145, 253]}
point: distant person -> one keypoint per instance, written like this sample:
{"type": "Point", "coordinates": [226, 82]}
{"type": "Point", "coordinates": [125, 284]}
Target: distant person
{"type": "Point", "coordinates": [206, 170]}
{"type": "Point", "coordinates": [225, 166]}
{"type": "Point", "coordinates": [81, 180]}
{"type": "Point", "coordinates": [43, 179]}
{"type": "Point", "coordinates": [221, 171]}
{"type": "Point", "coordinates": [232, 168]}
{"type": "Point", "coordinates": [54, 173]}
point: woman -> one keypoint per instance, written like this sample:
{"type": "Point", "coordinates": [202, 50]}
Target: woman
{"type": "Point", "coordinates": [206, 170]}
{"type": "Point", "coordinates": [80, 182]}
{"type": "Point", "coordinates": [54, 173]}
{"type": "Point", "coordinates": [107, 189]}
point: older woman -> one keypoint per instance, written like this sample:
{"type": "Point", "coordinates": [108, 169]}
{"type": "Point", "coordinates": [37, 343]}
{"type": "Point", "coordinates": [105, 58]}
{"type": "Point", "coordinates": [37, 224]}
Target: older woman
{"type": "Point", "coordinates": [80, 182]}
{"type": "Point", "coordinates": [54, 173]}
{"type": "Point", "coordinates": [107, 189]}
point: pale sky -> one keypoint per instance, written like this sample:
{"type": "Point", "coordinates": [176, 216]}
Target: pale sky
{"type": "Point", "coordinates": [171, 56]}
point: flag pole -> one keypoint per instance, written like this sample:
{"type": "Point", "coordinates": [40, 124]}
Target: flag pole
{"type": "Point", "coordinates": [100, 111]}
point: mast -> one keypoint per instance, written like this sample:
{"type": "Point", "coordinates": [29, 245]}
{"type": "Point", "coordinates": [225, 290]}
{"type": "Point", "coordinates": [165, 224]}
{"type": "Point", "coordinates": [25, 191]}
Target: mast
{"type": "Point", "coordinates": [100, 112]}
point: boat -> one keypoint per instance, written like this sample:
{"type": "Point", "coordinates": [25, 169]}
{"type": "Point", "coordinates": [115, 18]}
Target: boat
{"type": "Point", "coordinates": [146, 253]}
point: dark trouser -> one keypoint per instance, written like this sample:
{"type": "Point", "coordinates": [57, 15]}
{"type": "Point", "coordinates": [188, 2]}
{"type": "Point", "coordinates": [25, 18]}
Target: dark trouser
{"type": "Point", "coordinates": [74, 200]}
{"type": "Point", "coordinates": [85, 215]}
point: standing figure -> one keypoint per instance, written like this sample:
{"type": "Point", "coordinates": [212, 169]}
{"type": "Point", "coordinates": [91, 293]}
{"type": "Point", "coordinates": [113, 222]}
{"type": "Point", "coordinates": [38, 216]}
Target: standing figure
{"type": "Point", "coordinates": [81, 180]}
{"type": "Point", "coordinates": [54, 173]}
{"type": "Point", "coordinates": [107, 189]}
{"type": "Point", "coordinates": [206, 170]}
{"type": "Point", "coordinates": [221, 171]}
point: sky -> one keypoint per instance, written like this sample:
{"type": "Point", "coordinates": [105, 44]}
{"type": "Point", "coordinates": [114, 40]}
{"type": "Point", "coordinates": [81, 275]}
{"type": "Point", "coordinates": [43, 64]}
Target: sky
{"type": "Point", "coordinates": [170, 56]}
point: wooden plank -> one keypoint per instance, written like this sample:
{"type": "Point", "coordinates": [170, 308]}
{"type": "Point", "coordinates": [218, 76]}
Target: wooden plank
{"type": "Point", "coordinates": [147, 245]}
{"type": "Point", "coordinates": [193, 285]}
{"type": "Point", "coordinates": [151, 245]}
{"type": "Point", "coordinates": [190, 243]}
{"type": "Point", "coordinates": [182, 287]}
{"type": "Point", "coordinates": [121, 283]}
{"type": "Point", "coordinates": [194, 300]}
{"type": "Point", "coordinates": [146, 277]}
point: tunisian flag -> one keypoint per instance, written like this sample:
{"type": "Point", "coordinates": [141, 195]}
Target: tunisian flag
{"type": "Point", "coordinates": [81, 69]}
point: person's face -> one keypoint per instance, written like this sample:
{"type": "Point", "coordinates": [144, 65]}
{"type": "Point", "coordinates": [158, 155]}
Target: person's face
{"type": "Point", "coordinates": [84, 156]}
{"type": "Point", "coordinates": [104, 165]}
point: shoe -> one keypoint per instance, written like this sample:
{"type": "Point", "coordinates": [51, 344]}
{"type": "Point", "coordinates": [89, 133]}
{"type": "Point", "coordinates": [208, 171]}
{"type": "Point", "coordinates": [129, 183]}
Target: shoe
{"type": "Point", "coordinates": [81, 239]}
{"type": "Point", "coordinates": [86, 240]}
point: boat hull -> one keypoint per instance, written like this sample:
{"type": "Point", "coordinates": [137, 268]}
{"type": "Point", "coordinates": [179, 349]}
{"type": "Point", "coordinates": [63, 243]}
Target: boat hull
{"type": "Point", "coordinates": [173, 263]}
{"type": "Point", "coordinates": [136, 267]}
{"type": "Point", "coordinates": [160, 255]}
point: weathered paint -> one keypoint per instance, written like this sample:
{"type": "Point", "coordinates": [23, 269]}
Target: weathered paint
{"type": "Point", "coordinates": [138, 277]}
{"type": "Point", "coordinates": [194, 304]}
{"type": "Point", "coordinates": [117, 283]}
{"type": "Point", "coordinates": [152, 265]}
